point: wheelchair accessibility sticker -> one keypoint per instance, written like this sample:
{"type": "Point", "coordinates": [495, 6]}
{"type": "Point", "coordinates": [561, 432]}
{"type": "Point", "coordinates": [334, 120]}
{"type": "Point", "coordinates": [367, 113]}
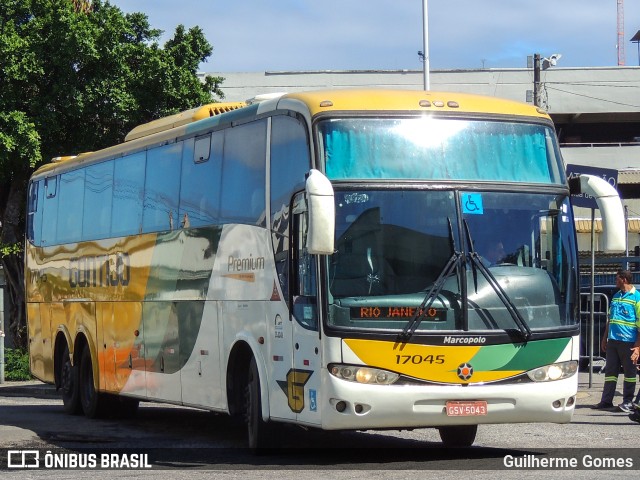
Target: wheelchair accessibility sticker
{"type": "Point", "coordinates": [472, 203]}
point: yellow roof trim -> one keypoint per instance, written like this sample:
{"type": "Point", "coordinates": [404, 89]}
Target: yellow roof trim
{"type": "Point", "coordinates": [182, 118]}
{"type": "Point", "coordinates": [412, 100]}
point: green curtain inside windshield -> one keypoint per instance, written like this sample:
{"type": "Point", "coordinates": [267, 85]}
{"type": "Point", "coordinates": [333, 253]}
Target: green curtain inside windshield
{"type": "Point", "coordinates": [438, 150]}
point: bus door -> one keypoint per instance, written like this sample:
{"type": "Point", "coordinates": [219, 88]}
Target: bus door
{"type": "Point", "coordinates": [295, 344]}
{"type": "Point", "coordinates": [304, 377]}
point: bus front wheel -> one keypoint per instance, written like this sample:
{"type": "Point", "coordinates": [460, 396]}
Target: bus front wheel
{"type": "Point", "coordinates": [256, 427]}
{"type": "Point", "coordinates": [458, 435]}
{"type": "Point", "coordinates": [69, 384]}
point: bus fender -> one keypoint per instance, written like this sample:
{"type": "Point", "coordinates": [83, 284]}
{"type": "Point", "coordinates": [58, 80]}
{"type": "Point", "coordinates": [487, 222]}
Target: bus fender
{"type": "Point", "coordinates": [64, 331]}
{"type": "Point", "coordinates": [93, 351]}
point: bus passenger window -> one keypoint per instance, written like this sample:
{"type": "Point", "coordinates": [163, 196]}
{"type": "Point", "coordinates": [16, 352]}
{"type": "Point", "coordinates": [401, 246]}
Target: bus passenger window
{"type": "Point", "coordinates": [51, 186]}
{"type": "Point", "coordinates": [98, 194]}
{"type": "Point", "coordinates": [200, 181]}
{"type": "Point", "coordinates": [70, 206]}
{"type": "Point", "coordinates": [50, 212]}
{"type": "Point", "coordinates": [162, 188]}
{"type": "Point", "coordinates": [34, 217]}
{"type": "Point", "coordinates": [128, 190]}
{"type": "Point", "coordinates": [243, 172]}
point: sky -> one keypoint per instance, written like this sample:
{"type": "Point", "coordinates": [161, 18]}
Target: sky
{"type": "Point", "coordinates": [285, 35]}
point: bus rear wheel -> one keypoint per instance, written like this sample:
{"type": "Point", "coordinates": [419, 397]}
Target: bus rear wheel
{"type": "Point", "coordinates": [90, 399]}
{"type": "Point", "coordinates": [69, 384]}
{"type": "Point", "coordinates": [458, 435]}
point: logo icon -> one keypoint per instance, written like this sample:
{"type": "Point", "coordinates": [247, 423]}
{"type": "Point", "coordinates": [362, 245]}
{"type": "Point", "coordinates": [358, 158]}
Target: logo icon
{"type": "Point", "coordinates": [472, 203]}
{"type": "Point", "coordinates": [465, 371]}
{"type": "Point", "coordinates": [293, 388]}
{"type": "Point", "coordinates": [23, 459]}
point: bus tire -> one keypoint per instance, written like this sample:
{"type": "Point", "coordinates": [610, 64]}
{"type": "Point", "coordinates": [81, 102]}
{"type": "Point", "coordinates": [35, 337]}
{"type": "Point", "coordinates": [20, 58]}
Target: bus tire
{"type": "Point", "coordinates": [90, 399]}
{"type": "Point", "coordinates": [69, 384]}
{"type": "Point", "coordinates": [458, 435]}
{"type": "Point", "coordinates": [256, 427]}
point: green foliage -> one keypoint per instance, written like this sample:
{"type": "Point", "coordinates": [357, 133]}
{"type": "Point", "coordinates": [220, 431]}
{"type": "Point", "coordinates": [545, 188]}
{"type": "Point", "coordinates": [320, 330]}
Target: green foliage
{"type": "Point", "coordinates": [19, 142]}
{"type": "Point", "coordinates": [10, 249]}
{"type": "Point", "coordinates": [77, 76]}
{"type": "Point", "coordinates": [16, 365]}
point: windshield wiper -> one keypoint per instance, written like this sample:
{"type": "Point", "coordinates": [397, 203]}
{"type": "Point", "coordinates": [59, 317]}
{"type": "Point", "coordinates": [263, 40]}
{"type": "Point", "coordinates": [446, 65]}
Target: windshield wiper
{"type": "Point", "coordinates": [434, 291]}
{"type": "Point", "coordinates": [477, 264]}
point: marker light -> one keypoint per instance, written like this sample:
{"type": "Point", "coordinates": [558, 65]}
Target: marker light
{"type": "Point", "coordinates": [556, 371]}
{"type": "Point", "coordinates": [368, 375]}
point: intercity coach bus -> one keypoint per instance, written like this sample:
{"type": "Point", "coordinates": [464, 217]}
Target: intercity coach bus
{"type": "Point", "coordinates": [344, 260]}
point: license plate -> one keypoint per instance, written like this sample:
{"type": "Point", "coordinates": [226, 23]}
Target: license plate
{"type": "Point", "coordinates": [466, 409]}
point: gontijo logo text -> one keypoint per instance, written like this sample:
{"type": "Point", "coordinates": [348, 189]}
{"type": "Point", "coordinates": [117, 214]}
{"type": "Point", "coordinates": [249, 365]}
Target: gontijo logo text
{"type": "Point", "coordinates": [100, 270]}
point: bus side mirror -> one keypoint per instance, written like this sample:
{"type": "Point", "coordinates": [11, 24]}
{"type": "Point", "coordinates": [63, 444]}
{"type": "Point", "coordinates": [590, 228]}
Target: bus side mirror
{"type": "Point", "coordinates": [322, 218]}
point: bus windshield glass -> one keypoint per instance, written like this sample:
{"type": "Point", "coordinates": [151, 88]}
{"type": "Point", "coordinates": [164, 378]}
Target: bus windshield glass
{"type": "Point", "coordinates": [429, 148]}
{"type": "Point", "coordinates": [515, 260]}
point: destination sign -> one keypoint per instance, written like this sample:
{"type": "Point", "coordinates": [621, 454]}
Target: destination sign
{"type": "Point", "coordinates": [385, 313]}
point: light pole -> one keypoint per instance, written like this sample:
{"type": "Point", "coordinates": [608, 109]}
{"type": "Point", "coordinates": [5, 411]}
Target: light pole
{"type": "Point", "coordinates": [536, 79]}
{"type": "Point", "coordinates": [425, 44]}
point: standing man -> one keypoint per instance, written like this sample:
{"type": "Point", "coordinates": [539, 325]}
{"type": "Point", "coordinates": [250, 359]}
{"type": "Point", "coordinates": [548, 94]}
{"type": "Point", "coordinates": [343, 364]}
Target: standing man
{"type": "Point", "coordinates": [619, 339]}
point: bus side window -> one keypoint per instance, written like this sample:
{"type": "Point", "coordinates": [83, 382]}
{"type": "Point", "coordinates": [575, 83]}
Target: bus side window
{"type": "Point", "coordinates": [243, 174]}
{"type": "Point", "coordinates": [128, 191]}
{"type": "Point", "coordinates": [51, 186]}
{"type": "Point", "coordinates": [305, 309]}
{"type": "Point", "coordinates": [98, 194]}
{"type": "Point", "coordinates": [70, 206]}
{"type": "Point", "coordinates": [162, 188]}
{"type": "Point", "coordinates": [200, 180]}
{"type": "Point", "coordinates": [34, 217]}
{"type": "Point", "coordinates": [290, 163]}
{"type": "Point", "coordinates": [50, 212]}
{"type": "Point", "coordinates": [202, 149]}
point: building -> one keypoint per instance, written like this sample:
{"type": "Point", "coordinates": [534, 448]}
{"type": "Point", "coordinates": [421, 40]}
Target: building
{"type": "Point", "coordinates": [596, 112]}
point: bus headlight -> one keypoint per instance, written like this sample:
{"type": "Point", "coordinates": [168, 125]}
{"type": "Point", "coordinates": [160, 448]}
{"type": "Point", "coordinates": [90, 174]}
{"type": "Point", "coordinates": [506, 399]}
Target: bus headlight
{"type": "Point", "coordinates": [358, 374]}
{"type": "Point", "coordinates": [555, 371]}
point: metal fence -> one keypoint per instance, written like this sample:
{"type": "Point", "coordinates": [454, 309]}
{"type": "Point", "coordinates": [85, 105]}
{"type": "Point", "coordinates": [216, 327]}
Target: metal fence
{"type": "Point", "coordinates": [605, 279]}
{"type": "Point", "coordinates": [592, 336]}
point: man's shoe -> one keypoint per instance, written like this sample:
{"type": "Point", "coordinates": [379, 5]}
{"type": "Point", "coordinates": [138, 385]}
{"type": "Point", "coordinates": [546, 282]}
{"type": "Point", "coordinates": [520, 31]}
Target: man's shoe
{"type": "Point", "coordinates": [602, 406]}
{"type": "Point", "coordinates": [626, 407]}
{"type": "Point", "coordinates": [635, 416]}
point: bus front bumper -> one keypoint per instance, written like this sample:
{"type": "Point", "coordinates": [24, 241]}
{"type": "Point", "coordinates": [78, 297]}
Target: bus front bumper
{"type": "Point", "coordinates": [349, 405]}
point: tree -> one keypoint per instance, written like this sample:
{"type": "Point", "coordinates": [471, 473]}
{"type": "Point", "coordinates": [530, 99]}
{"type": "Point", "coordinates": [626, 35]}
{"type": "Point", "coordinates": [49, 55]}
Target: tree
{"type": "Point", "coordinates": [77, 75]}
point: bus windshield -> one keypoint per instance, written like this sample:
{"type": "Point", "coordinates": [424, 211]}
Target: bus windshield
{"type": "Point", "coordinates": [515, 250]}
{"type": "Point", "coordinates": [428, 148]}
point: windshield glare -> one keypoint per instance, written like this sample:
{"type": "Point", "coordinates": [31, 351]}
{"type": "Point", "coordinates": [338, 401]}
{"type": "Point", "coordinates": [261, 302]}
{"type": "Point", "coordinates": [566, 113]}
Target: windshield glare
{"type": "Point", "coordinates": [391, 246]}
{"type": "Point", "coordinates": [430, 148]}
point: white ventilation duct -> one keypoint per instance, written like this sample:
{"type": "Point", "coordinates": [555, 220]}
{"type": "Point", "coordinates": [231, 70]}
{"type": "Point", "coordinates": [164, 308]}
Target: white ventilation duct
{"type": "Point", "coordinates": [614, 228]}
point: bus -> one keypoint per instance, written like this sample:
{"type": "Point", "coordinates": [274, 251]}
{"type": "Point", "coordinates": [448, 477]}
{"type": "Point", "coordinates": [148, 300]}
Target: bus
{"type": "Point", "coordinates": [320, 259]}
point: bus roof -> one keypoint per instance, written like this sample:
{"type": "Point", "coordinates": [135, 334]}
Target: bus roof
{"type": "Point", "coordinates": [182, 118]}
{"type": "Point", "coordinates": [316, 102]}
